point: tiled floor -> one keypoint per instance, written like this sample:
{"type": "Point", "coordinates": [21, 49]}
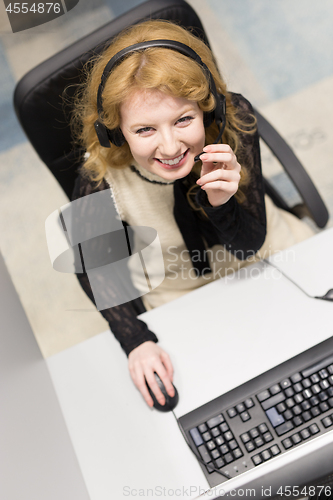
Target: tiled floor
{"type": "Point", "coordinates": [278, 54]}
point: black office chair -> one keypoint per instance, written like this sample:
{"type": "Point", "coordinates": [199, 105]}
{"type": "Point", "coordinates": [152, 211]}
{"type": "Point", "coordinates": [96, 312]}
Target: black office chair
{"type": "Point", "coordinates": [44, 116]}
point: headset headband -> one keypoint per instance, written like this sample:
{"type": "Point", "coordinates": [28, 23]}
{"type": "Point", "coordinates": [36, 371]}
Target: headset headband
{"type": "Point", "coordinates": [115, 136]}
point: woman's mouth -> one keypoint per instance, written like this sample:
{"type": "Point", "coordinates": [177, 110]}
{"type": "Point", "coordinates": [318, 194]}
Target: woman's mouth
{"type": "Point", "coordinates": [174, 162]}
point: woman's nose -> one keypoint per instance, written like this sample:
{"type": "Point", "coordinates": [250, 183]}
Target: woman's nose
{"type": "Point", "coordinates": [169, 144]}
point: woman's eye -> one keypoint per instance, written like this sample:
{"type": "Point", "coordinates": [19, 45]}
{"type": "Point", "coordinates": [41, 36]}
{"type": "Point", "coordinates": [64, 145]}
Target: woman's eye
{"type": "Point", "coordinates": [143, 130]}
{"type": "Point", "coordinates": [185, 119]}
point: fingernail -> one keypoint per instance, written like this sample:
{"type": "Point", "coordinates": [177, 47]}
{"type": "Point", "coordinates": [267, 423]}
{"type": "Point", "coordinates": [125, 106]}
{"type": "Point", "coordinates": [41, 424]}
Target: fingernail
{"type": "Point", "coordinates": [206, 148]}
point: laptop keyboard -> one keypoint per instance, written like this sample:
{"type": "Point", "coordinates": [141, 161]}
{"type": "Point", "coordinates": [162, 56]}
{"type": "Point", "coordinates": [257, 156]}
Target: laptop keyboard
{"type": "Point", "coordinates": [262, 424]}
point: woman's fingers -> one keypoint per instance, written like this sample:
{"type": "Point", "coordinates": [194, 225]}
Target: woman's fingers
{"type": "Point", "coordinates": [219, 175]}
{"type": "Point", "coordinates": [143, 362]}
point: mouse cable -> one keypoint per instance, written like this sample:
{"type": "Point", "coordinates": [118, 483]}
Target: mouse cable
{"type": "Point", "coordinates": [211, 467]}
{"type": "Point", "coordinates": [288, 278]}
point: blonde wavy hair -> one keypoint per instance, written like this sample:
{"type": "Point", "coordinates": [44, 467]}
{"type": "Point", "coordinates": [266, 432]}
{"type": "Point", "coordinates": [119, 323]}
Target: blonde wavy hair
{"type": "Point", "coordinates": [154, 68]}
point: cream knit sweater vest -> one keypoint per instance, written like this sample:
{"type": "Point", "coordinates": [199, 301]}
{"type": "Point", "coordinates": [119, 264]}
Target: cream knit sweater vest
{"type": "Point", "coordinates": [143, 203]}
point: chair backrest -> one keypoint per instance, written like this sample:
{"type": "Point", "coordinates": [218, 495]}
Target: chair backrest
{"type": "Point", "coordinates": [45, 115]}
{"type": "Point", "coordinates": [38, 99]}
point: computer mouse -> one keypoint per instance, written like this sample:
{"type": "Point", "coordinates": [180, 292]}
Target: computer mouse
{"type": "Point", "coordinates": [170, 402]}
{"type": "Point", "coordinates": [327, 296]}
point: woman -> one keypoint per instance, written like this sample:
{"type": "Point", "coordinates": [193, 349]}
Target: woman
{"type": "Point", "coordinates": [157, 106]}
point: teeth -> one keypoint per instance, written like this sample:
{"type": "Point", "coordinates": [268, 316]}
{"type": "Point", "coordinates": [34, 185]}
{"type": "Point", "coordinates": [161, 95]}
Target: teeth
{"type": "Point", "coordinates": [174, 161]}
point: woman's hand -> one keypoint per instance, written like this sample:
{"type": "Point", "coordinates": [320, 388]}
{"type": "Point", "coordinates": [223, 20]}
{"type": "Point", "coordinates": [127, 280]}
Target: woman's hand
{"type": "Point", "coordinates": [143, 361]}
{"type": "Point", "coordinates": [220, 173]}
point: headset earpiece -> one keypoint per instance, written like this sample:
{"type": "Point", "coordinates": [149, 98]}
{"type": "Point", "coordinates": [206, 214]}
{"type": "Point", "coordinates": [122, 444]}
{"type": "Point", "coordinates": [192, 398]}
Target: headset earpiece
{"type": "Point", "coordinates": [102, 134]}
{"type": "Point", "coordinates": [115, 136]}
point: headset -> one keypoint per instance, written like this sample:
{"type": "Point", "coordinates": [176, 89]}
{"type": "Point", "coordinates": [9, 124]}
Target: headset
{"type": "Point", "coordinates": [115, 136]}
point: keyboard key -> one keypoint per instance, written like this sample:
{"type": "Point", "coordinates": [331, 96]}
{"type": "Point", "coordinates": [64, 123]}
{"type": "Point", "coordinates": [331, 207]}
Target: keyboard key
{"type": "Point", "coordinates": [215, 432]}
{"type": "Point", "coordinates": [281, 407]}
{"type": "Point", "coordinates": [273, 401]}
{"type": "Point", "coordinates": [268, 437]}
{"type": "Point", "coordinates": [266, 455]}
{"type": "Point", "coordinates": [213, 422]}
{"type": "Point", "coordinates": [195, 435]}
{"type": "Point", "coordinates": [203, 428]}
{"type": "Point", "coordinates": [315, 411]}
{"type": "Point", "coordinates": [274, 389]}
{"type": "Point", "coordinates": [215, 454]}
{"type": "Point", "coordinates": [219, 440]}
{"type": "Point", "coordinates": [315, 378]}
{"type": "Point", "coordinates": [285, 383]}
{"type": "Point", "coordinates": [330, 391]}
{"type": "Point", "coordinates": [274, 417]}
{"type": "Point", "coordinates": [232, 412]}
{"type": "Point", "coordinates": [262, 428]}
{"type": "Point", "coordinates": [224, 449]}
{"type": "Point", "coordinates": [289, 392]}
{"type": "Point", "coordinates": [306, 383]}
{"type": "Point", "coordinates": [219, 463]}
{"type": "Point", "coordinates": [245, 437]}
{"type": "Point", "coordinates": [296, 378]}
{"type": "Point", "coordinates": [206, 436]}
{"type": "Point", "coordinates": [305, 433]}
{"type": "Point", "coordinates": [256, 459]}
{"type": "Point", "coordinates": [327, 422]}
{"type": "Point", "coordinates": [224, 427]}
{"type": "Point", "coordinates": [324, 407]}
{"type": "Point", "coordinates": [314, 429]}
{"type": "Point", "coordinates": [263, 395]}
{"type": "Point", "coordinates": [297, 421]}
{"type": "Point", "coordinates": [228, 436]}
{"type": "Point", "coordinates": [314, 401]}
{"type": "Point", "coordinates": [249, 403]}
{"type": "Point", "coordinates": [287, 443]}
{"type": "Point", "coordinates": [290, 403]}
{"type": "Point", "coordinates": [330, 402]}
{"type": "Point", "coordinates": [254, 433]}
{"type": "Point", "coordinates": [323, 373]}
{"type": "Point", "coordinates": [240, 408]}
{"type": "Point", "coordinates": [307, 393]}
{"type": "Point", "coordinates": [204, 454]}
{"type": "Point", "coordinates": [306, 416]}
{"type": "Point", "coordinates": [288, 415]}
{"type": "Point", "coordinates": [211, 445]}
{"type": "Point", "coordinates": [298, 387]}
{"type": "Point", "coordinates": [233, 444]}
{"type": "Point", "coordinates": [316, 389]}
{"type": "Point", "coordinates": [245, 416]}
{"type": "Point", "coordinates": [323, 396]}
{"type": "Point", "coordinates": [324, 384]}
{"type": "Point", "coordinates": [296, 438]}
{"type": "Point", "coordinates": [282, 429]}
{"type": "Point", "coordinates": [250, 446]}
{"type": "Point", "coordinates": [298, 398]}
{"type": "Point", "coordinates": [330, 369]}
{"type": "Point", "coordinates": [237, 453]}
{"type": "Point", "coordinates": [275, 450]}
{"type": "Point", "coordinates": [305, 405]}
{"type": "Point", "coordinates": [259, 442]}
{"type": "Point", "coordinates": [228, 458]}
{"type": "Point", "coordinates": [297, 410]}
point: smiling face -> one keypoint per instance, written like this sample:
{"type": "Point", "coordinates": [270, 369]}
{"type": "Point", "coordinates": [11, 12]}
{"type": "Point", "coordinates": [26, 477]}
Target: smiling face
{"type": "Point", "coordinates": [164, 133]}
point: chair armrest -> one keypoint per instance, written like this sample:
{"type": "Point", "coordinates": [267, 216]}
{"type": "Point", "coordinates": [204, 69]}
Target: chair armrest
{"type": "Point", "coordinates": [294, 169]}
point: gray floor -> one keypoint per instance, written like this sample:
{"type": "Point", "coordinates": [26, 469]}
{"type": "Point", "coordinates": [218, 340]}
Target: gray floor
{"type": "Point", "coordinates": [278, 54]}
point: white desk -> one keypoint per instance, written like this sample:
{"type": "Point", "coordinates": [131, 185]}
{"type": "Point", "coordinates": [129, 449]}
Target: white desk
{"type": "Point", "coordinates": [254, 320]}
